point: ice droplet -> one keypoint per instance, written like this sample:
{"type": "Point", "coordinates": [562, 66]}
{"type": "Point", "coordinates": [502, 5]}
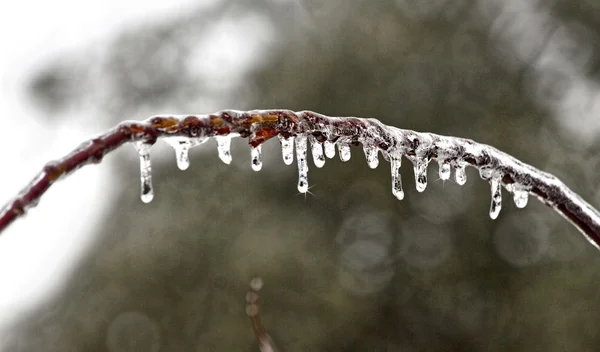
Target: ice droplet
{"type": "Point", "coordinates": [317, 152]}
{"type": "Point", "coordinates": [344, 150]}
{"type": "Point", "coordinates": [520, 197]}
{"type": "Point", "coordinates": [182, 145]}
{"type": "Point", "coordinates": [371, 155]}
{"type": "Point", "coordinates": [301, 151]}
{"type": "Point", "coordinates": [420, 167]}
{"type": "Point", "coordinates": [445, 169]}
{"type": "Point", "coordinates": [224, 148]}
{"type": "Point", "coordinates": [496, 197]}
{"type": "Point", "coordinates": [397, 190]}
{"type": "Point", "coordinates": [329, 149]}
{"type": "Point", "coordinates": [460, 174]}
{"type": "Point", "coordinates": [256, 154]}
{"type": "Point", "coordinates": [287, 149]}
{"type": "Point", "coordinates": [147, 191]}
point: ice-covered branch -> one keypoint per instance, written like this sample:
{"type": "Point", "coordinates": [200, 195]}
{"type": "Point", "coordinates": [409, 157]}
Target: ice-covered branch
{"type": "Point", "coordinates": [321, 134]}
{"type": "Point", "coordinates": [265, 342]}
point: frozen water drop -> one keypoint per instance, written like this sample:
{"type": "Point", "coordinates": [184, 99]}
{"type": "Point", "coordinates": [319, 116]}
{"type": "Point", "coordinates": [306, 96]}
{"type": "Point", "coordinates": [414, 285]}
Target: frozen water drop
{"type": "Point", "coordinates": [147, 192]}
{"type": "Point", "coordinates": [317, 152]}
{"type": "Point", "coordinates": [397, 190]}
{"type": "Point", "coordinates": [301, 151]}
{"type": "Point", "coordinates": [520, 197]}
{"type": "Point", "coordinates": [344, 150]}
{"type": "Point", "coordinates": [371, 155]}
{"type": "Point", "coordinates": [224, 148]}
{"type": "Point", "coordinates": [329, 149]}
{"type": "Point", "coordinates": [460, 174]}
{"type": "Point", "coordinates": [496, 197]}
{"type": "Point", "coordinates": [287, 149]}
{"type": "Point", "coordinates": [256, 154]}
{"type": "Point", "coordinates": [445, 169]}
{"type": "Point", "coordinates": [420, 167]}
{"type": "Point", "coordinates": [182, 145]}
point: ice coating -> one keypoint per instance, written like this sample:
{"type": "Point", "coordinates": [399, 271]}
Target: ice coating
{"type": "Point", "coordinates": [371, 155]}
{"type": "Point", "coordinates": [256, 156]}
{"type": "Point", "coordinates": [147, 192]}
{"type": "Point", "coordinates": [301, 151]}
{"type": "Point", "coordinates": [329, 149]}
{"type": "Point", "coordinates": [224, 148]}
{"type": "Point", "coordinates": [317, 152]}
{"type": "Point", "coordinates": [287, 149]}
{"type": "Point", "coordinates": [420, 168]}
{"type": "Point", "coordinates": [520, 198]}
{"type": "Point", "coordinates": [182, 146]}
{"type": "Point", "coordinates": [496, 203]}
{"type": "Point", "coordinates": [445, 169]}
{"type": "Point", "coordinates": [397, 190]}
{"type": "Point", "coordinates": [460, 174]}
{"type": "Point", "coordinates": [344, 150]}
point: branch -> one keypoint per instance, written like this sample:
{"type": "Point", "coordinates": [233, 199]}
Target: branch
{"type": "Point", "coordinates": [323, 133]}
{"type": "Point", "coordinates": [265, 342]}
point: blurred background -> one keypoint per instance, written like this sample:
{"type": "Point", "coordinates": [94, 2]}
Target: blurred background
{"type": "Point", "coordinates": [346, 268]}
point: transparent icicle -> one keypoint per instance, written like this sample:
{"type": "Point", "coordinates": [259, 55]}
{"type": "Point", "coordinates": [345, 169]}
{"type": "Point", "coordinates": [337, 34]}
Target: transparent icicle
{"type": "Point", "coordinates": [287, 149]}
{"type": "Point", "coordinates": [496, 204]}
{"type": "Point", "coordinates": [301, 151]}
{"type": "Point", "coordinates": [420, 167]}
{"type": "Point", "coordinates": [317, 152]}
{"type": "Point", "coordinates": [224, 148]}
{"type": "Point", "coordinates": [256, 154]}
{"type": "Point", "coordinates": [182, 145]}
{"type": "Point", "coordinates": [445, 169]}
{"type": "Point", "coordinates": [460, 174]}
{"type": "Point", "coordinates": [329, 149]}
{"type": "Point", "coordinates": [344, 150]}
{"type": "Point", "coordinates": [371, 155]}
{"type": "Point", "coordinates": [397, 190]}
{"type": "Point", "coordinates": [520, 196]}
{"type": "Point", "coordinates": [147, 191]}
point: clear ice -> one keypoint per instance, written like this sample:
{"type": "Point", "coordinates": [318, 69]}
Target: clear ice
{"type": "Point", "coordinates": [344, 150]}
{"type": "Point", "coordinates": [147, 191]}
{"type": "Point", "coordinates": [301, 151]}
{"type": "Point", "coordinates": [520, 197]}
{"type": "Point", "coordinates": [329, 149]}
{"type": "Point", "coordinates": [496, 197]}
{"type": "Point", "coordinates": [256, 154]}
{"type": "Point", "coordinates": [182, 145]}
{"type": "Point", "coordinates": [420, 167]}
{"type": "Point", "coordinates": [397, 190]}
{"type": "Point", "coordinates": [224, 148]}
{"type": "Point", "coordinates": [460, 173]}
{"type": "Point", "coordinates": [371, 155]}
{"type": "Point", "coordinates": [317, 152]}
{"type": "Point", "coordinates": [445, 169]}
{"type": "Point", "coordinates": [287, 149]}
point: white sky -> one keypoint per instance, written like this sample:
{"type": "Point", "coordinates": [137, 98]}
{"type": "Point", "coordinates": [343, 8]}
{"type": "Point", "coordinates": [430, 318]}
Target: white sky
{"type": "Point", "coordinates": [35, 252]}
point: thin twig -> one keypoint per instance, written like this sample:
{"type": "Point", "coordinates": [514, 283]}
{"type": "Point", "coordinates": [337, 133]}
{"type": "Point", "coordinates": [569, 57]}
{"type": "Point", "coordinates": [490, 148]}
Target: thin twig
{"type": "Point", "coordinates": [261, 125]}
{"type": "Point", "coordinates": [265, 342]}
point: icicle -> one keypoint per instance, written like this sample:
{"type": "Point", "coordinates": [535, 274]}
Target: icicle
{"type": "Point", "coordinates": [520, 197]}
{"type": "Point", "coordinates": [287, 149]}
{"type": "Point", "coordinates": [301, 151]}
{"type": "Point", "coordinates": [224, 148]}
{"type": "Point", "coordinates": [460, 174]}
{"type": "Point", "coordinates": [397, 190]}
{"type": "Point", "coordinates": [420, 167]}
{"type": "Point", "coordinates": [147, 191]}
{"type": "Point", "coordinates": [317, 152]}
{"type": "Point", "coordinates": [496, 197]}
{"type": "Point", "coordinates": [344, 150]}
{"type": "Point", "coordinates": [445, 169]}
{"type": "Point", "coordinates": [329, 149]}
{"type": "Point", "coordinates": [371, 155]}
{"type": "Point", "coordinates": [182, 145]}
{"type": "Point", "coordinates": [256, 154]}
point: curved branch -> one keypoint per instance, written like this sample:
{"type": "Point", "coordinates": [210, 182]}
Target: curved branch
{"type": "Point", "coordinates": [260, 125]}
